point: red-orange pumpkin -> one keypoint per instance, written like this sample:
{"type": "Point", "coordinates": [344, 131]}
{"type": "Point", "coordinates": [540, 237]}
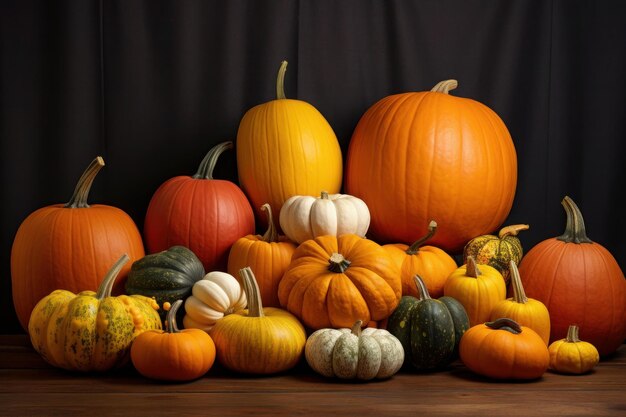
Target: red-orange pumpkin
{"type": "Point", "coordinates": [414, 157]}
{"type": "Point", "coordinates": [580, 282]}
{"type": "Point", "coordinates": [204, 214]}
{"type": "Point", "coordinates": [70, 246]}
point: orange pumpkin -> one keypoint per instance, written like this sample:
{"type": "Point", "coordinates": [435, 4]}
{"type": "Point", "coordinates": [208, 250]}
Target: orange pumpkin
{"type": "Point", "coordinates": [173, 355]}
{"type": "Point", "coordinates": [268, 256]}
{"type": "Point", "coordinates": [70, 246]}
{"type": "Point", "coordinates": [429, 155]}
{"type": "Point", "coordinates": [286, 147]}
{"type": "Point", "coordinates": [526, 311]}
{"type": "Point", "coordinates": [333, 281]}
{"type": "Point", "coordinates": [580, 282]}
{"type": "Point", "coordinates": [204, 214]}
{"type": "Point", "coordinates": [432, 264]}
{"type": "Point", "coordinates": [477, 289]}
{"type": "Point", "coordinates": [503, 349]}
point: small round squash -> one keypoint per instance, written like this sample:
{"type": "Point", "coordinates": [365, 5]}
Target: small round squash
{"type": "Point", "coordinates": [258, 340]}
{"type": "Point", "coordinates": [503, 349]}
{"type": "Point", "coordinates": [217, 295]}
{"type": "Point", "coordinates": [572, 355]}
{"type": "Point", "coordinates": [497, 251]}
{"type": "Point", "coordinates": [173, 355]}
{"type": "Point", "coordinates": [354, 353]}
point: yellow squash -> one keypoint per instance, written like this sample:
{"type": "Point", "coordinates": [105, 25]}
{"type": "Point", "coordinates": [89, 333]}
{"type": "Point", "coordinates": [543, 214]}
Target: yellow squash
{"type": "Point", "coordinates": [90, 331]}
{"type": "Point", "coordinates": [286, 147]}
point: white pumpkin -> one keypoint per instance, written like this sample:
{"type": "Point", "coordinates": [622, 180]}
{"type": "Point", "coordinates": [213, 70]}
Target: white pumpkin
{"type": "Point", "coordinates": [213, 297]}
{"type": "Point", "coordinates": [354, 353]}
{"type": "Point", "coordinates": [304, 217]}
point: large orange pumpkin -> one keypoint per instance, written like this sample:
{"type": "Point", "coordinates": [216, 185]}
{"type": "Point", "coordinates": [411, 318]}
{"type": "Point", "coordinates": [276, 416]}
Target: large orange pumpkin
{"type": "Point", "coordinates": [204, 214]}
{"type": "Point", "coordinates": [414, 157]}
{"type": "Point", "coordinates": [333, 280]}
{"type": "Point", "coordinates": [70, 246]}
{"type": "Point", "coordinates": [286, 147]}
{"type": "Point", "coordinates": [580, 282]}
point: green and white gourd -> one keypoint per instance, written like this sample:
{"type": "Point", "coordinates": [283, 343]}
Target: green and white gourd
{"type": "Point", "coordinates": [354, 353]}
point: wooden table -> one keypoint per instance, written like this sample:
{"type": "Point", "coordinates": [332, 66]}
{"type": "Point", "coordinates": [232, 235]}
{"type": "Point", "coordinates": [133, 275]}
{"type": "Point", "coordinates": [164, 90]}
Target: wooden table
{"type": "Point", "coordinates": [30, 387]}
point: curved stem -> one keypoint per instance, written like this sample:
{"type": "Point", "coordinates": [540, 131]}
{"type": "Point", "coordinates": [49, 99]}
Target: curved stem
{"type": "Point", "coordinates": [324, 195]}
{"type": "Point", "coordinates": [421, 288]}
{"type": "Point", "coordinates": [572, 334]}
{"type": "Point", "coordinates": [205, 170]}
{"type": "Point", "coordinates": [356, 328]}
{"type": "Point", "coordinates": [81, 192]}
{"type": "Point", "coordinates": [415, 247]}
{"type": "Point", "coordinates": [512, 230]}
{"type": "Point", "coordinates": [509, 325]}
{"type": "Point", "coordinates": [271, 234]}
{"type": "Point", "coordinates": [280, 81]}
{"type": "Point", "coordinates": [253, 294]}
{"type": "Point", "coordinates": [575, 227]}
{"type": "Point", "coordinates": [337, 263]}
{"type": "Point", "coordinates": [445, 86]}
{"type": "Point", "coordinates": [170, 319]}
{"type": "Point", "coordinates": [104, 290]}
{"type": "Point", "coordinates": [519, 295]}
{"type": "Point", "coordinates": [471, 270]}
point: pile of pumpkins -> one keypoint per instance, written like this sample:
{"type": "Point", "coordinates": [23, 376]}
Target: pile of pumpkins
{"type": "Point", "coordinates": [360, 284]}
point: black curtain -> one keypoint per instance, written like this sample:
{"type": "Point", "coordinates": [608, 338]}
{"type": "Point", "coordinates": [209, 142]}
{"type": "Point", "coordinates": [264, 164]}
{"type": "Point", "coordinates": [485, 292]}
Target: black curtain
{"type": "Point", "coordinates": [152, 85]}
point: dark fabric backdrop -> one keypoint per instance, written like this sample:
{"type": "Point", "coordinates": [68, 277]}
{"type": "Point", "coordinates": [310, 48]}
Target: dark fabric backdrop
{"type": "Point", "coordinates": [152, 85]}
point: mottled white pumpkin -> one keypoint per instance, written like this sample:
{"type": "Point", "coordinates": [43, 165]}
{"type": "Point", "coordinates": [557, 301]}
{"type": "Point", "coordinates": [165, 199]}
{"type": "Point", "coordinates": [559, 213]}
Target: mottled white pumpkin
{"type": "Point", "coordinates": [214, 296]}
{"type": "Point", "coordinates": [354, 353]}
{"type": "Point", "coordinates": [304, 217]}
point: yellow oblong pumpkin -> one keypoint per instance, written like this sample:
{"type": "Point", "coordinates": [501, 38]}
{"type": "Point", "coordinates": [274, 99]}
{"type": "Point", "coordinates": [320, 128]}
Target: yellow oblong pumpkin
{"type": "Point", "coordinates": [90, 331]}
{"type": "Point", "coordinates": [286, 147]}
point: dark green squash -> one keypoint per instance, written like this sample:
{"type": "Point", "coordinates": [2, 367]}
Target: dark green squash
{"type": "Point", "coordinates": [167, 276]}
{"type": "Point", "coordinates": [428, 329]}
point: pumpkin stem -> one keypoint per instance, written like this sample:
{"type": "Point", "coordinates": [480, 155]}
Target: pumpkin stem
{"type": "Point", "coordinates": [575, 226]}
{"type": "Point", "coordinates": [271, 234]}
{"type": "Point", "coordinates": [507, 324]}
{"type": "Point", "coordinates": [415, 247]}
{"type": "Point", "coordinates": [104, 290]}
{"type": "Point", "coordinates": [324, 195]}
{"type": "Point", "coordinates": [421, 288]}
{"type": "Point", "coordinates": [572, 334]}
{"type": "Point", "coordinates": [512, 230]}
{"type": "Point", "coordinates": [170, 319]}
{"type": "Point", "coordinates": [471, 270]}
{"type": "Point", "coordinates": [81, 192]}
{"type": "Point", "coordinates": [253, 294]}
{"type": "Point", "coordinates": [356, 328]}
{"type": "Point", "coordinates": [519, 295]}
{"type": "Point", "coordinates": [205, 171]}
{"type": "Point", "coordinates": [337, 263]}
{"type": "Point", "coordinates": [445, 86]}
{"type": "Point", "coordinates": [280, 81]}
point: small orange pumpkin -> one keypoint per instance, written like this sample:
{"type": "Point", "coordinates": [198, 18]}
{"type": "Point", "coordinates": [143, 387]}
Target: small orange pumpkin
{"type": "Point", "coordinates": [432, 264]}
{"type": "Point", "coordinates": [335, 281]}
{"type": "Point", "coordinates": [478, 290]}
{"type": "Point", "coordinates": [173, 355]}
{"type": "Point", "coordinates": [526, 311]}
{"type": "Point", "coordinates": [268, 256]}
{"type": "Point", "coordinates": [503, 349]}
{"type": "Point", "coordinates": [572, 355]}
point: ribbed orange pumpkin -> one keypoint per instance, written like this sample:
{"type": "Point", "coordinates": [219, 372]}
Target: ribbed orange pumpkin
{"type": "Point", "coordinates": [580, 282]}
{"type": "Point", "coordinates": [204, 214]}
{"type": "Point", "coordinates": [70, 246]}
{"type": "Point", "coordinates": [432, 264]}
{"type": "Point", "coordinates": [428, 155]}
{"type": "Point", "coordinates": [332, 281]}
{"type": "Point", "coordinates": [286, 147]}
{"type": "Point", "coordinates": [268, 256]}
